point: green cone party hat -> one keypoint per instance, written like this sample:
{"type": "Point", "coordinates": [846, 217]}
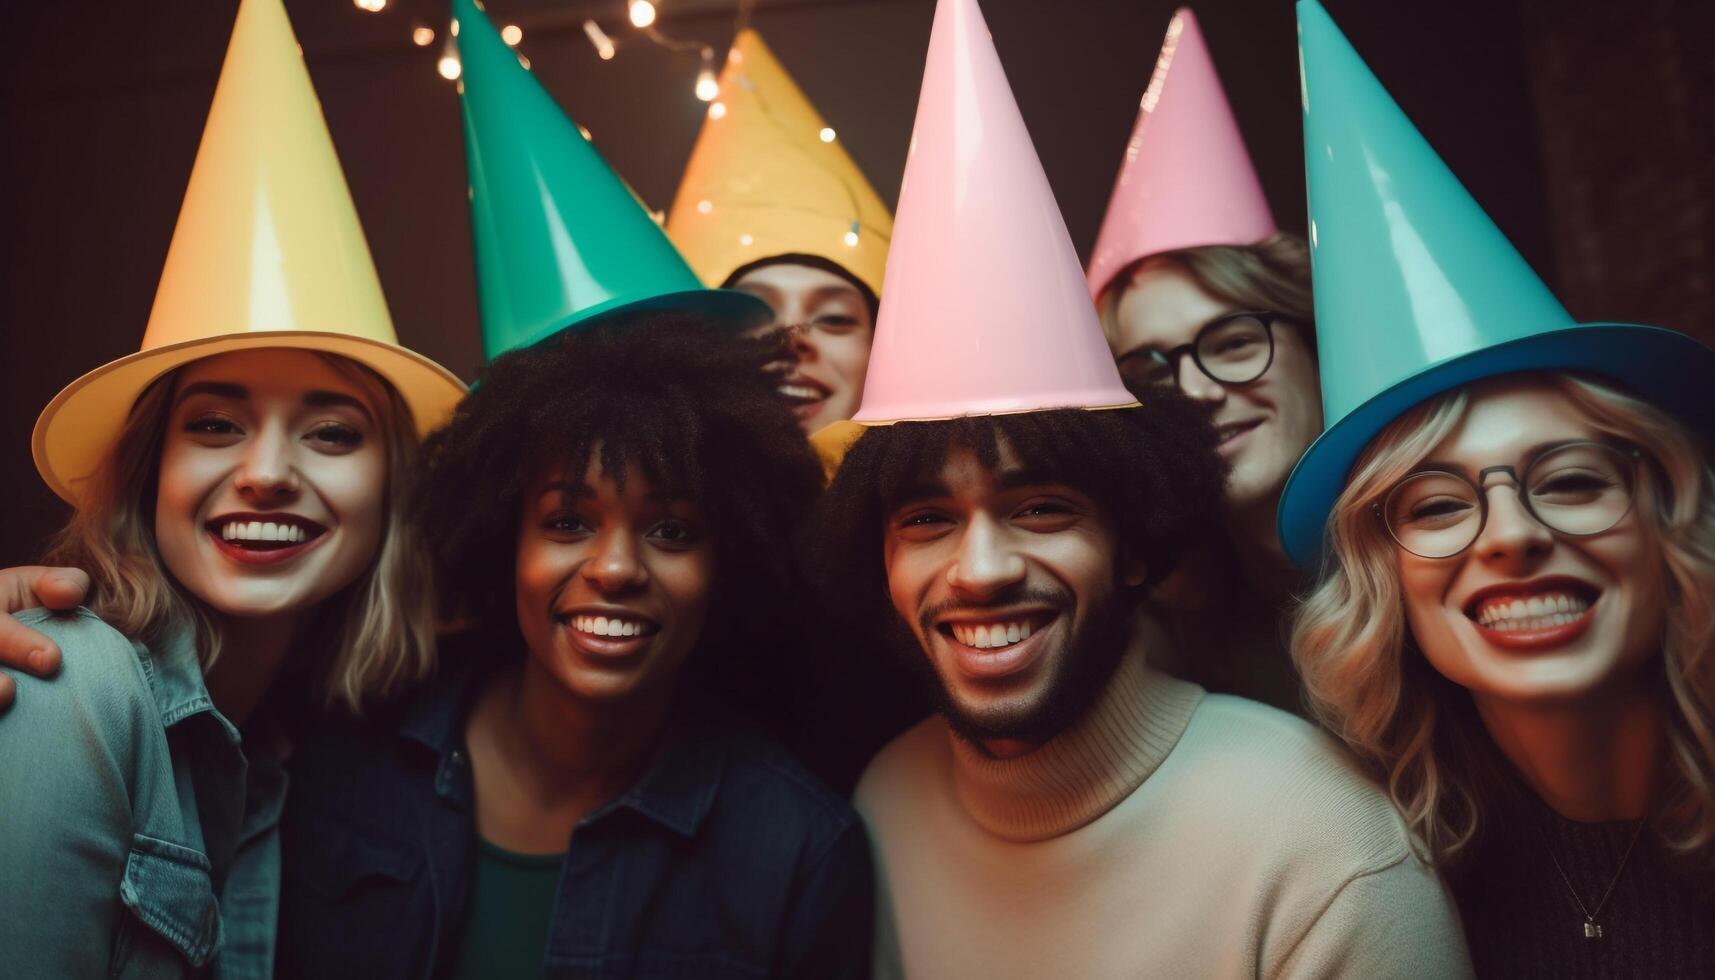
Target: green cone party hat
{"type": "Point", "coordinates": [560, 241]}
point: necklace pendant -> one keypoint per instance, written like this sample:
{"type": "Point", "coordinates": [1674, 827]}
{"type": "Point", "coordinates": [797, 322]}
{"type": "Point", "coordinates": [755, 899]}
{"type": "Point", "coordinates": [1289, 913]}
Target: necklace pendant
{"type": "Point", "coordinates": [1592, 930]}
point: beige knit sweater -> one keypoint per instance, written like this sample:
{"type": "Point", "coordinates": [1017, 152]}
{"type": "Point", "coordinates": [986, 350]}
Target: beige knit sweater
{"type": "Point", "coordinates": [1169, 833]}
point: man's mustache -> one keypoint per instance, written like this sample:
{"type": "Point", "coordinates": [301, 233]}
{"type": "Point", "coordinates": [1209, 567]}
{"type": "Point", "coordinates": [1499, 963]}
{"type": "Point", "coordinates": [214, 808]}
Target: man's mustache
{"type": "Point", "coordinates": [1021, 596]}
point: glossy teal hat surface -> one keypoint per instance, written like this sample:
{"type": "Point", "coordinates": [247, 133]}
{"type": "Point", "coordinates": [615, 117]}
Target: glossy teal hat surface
{"type": "Point", "coordinates": [560, 240]}
{"type": "Point", "coordinates": [1417, 292]}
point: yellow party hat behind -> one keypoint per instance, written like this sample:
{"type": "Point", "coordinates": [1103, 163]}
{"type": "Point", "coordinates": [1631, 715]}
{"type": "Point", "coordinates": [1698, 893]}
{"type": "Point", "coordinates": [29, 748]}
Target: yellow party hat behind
{"type": "Point", "coordinates": [769, 177]}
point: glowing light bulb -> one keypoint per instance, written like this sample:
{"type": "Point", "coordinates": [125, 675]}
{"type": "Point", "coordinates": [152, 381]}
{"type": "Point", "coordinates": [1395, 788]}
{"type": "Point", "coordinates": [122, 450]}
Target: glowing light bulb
{"type": "Point", "coordinates": [523, 62]}
{"type": "Point", "coordinates": [599, 40]}
{"type": "Point", "coordinates": [717, 110]}
{"type": "Point", "coordinates": [373, 6]}
{"type": "Point", "coordinates": [642, 13]}
{"type": "Point", "coordinates": [707, 87]}
{"type": "Point", "coordinates": [449, 65]}
{"type": "Point", "coordinates": [422, 37]}
{"type": "Point", "coordinates": [746, 239]}
{"type": "Point", "coordinates": [852, 239]}
{"type": "Point", "coordinates": [827, 134]}
{"type": "Point", "coordinates": [705, 206]}
{"type": "Point", "coordinates": [512, 34]}
{"type": "Point", "coordinates": [584, 132]}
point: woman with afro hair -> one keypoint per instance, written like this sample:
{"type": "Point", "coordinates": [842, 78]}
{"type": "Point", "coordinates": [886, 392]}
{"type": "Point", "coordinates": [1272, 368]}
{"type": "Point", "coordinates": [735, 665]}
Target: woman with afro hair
{"type": "Point", "coordinates": [586, 787]}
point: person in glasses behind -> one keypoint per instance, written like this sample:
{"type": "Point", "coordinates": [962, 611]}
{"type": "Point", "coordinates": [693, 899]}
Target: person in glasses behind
{"type": "Point", "coordinates": [1198, 288]}
{"type": "Point", "coordinates": [1232, 327]}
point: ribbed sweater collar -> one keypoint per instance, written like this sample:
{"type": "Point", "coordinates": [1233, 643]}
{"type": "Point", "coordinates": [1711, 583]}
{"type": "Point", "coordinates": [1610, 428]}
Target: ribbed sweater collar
{"type": "Point", "coordinates": [1084, 771]}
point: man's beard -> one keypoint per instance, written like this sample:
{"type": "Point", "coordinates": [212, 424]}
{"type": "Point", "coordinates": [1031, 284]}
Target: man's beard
{"type": "Point", "coordinates": [1083, 667]}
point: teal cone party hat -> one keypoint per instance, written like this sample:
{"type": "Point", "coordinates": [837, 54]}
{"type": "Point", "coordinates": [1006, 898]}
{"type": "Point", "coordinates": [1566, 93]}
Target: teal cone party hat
{"type": "Point", "coordinates": [560, 240]}
{"type": "Point", "coordinates": [1417, 291]}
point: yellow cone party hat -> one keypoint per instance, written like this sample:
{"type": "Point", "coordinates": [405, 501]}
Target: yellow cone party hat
{"type": "Point", "coordinates": [763, 181]}
{"type": "Point", "coordinates": [267, 252]}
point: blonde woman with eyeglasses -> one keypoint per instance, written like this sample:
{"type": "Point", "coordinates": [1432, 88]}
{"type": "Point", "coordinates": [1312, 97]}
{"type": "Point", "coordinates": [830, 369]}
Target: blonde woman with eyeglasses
{"type": "Point", "coordinates": [1513, 519]}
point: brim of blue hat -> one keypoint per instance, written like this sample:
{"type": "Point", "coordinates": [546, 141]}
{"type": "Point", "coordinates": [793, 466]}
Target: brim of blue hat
{"type": "Point", "coordinates": [1666, 367]}
{"type": "Point", "coordinates": [727, 308]}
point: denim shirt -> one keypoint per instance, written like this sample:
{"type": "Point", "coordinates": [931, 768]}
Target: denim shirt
{"type": "Point", "coordinates": [135, 838]}
{"type": "Point", "coordinates": [725, 859]}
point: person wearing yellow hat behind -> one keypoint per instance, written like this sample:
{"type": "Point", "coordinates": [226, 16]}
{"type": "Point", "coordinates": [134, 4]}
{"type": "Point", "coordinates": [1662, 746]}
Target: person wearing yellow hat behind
{"type": "Point", "coordinates": [1197, 289]}
{"type": "Point", "coordinates": [1513, 518]}
{"type": "Point", "coordinates": [772, 204]}
{"type": "Point", "coordinates": [238, 486]}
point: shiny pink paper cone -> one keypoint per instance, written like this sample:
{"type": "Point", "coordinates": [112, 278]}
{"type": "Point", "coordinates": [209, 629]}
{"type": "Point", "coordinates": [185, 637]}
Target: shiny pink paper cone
{"type": "Point", "coordinates": [1186, 179]}
{"type": "Point", "coordinates": [986, 311]}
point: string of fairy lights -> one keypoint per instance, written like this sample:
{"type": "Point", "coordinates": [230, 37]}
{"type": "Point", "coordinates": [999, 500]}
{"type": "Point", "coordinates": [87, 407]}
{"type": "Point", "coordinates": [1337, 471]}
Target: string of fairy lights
{"type": "Point", "coordinates": [642, 15]}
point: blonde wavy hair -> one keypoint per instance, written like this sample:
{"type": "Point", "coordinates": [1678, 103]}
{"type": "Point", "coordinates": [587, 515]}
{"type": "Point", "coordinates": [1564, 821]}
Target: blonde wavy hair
{"type": "Point", "coordinates": [369, 640]}
{"type": "Point", "coordinates": [1418, 731]}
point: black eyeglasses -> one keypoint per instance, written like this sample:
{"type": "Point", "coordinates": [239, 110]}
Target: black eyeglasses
{"type": "Point", "coordinates": [1578, 489]}
{"type": "Point", "coordinates": [1234, 349]}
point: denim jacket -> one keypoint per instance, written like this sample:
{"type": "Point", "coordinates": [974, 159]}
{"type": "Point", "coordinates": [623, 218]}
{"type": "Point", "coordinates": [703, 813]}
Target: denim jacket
{"type": "Point", "coordinates": [135, 839]}
{"type": "Point", "coordinates": [725, 859]}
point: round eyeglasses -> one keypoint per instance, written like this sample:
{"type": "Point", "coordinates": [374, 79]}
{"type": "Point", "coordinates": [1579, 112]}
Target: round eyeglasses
{"type": "Point", "coordinates": [1234, 349]}
{"type": "Point", "coordinates": [1578, 489]}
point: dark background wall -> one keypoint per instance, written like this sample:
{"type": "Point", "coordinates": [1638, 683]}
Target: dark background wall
{"type": "Point", "coordinates": [1582, 126]}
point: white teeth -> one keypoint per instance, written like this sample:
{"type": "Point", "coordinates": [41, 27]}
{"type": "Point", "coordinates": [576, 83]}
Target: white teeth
{"type": "Point", "coordinates": [985, 637]}
{"type": "Point", "coordinates": [800, 391]}
{"type": "Point", "coordinates": [263, 531]}
{"type": "Point", "coordinates": [1535, 612]}
{"type": "Point", "coordinates": [605, 626]}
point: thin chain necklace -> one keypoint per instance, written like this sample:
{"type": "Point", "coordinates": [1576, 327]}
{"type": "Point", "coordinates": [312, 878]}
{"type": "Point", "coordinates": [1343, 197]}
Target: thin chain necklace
{"type": "Point", "coordinates": [1592, 928]}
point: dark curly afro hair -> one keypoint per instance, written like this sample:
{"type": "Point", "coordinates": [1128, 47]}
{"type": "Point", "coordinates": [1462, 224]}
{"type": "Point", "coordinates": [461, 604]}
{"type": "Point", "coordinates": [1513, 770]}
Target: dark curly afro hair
{"type": "Point", "coordinates": [691, 408]}
{"type": "Point", "coordinates": [1153, 469]}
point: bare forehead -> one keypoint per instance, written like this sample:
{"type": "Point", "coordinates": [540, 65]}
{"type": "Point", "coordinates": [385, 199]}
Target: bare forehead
{"type": "Point", "coordinates": [279, 371]}
{"type": "Point", "coordinates": [1163, 306]}
{"type": "Point", "coordinates": [964, 474]}
{"type": "Point", "coordinates": [1508, 417]}
{"type": "Point", "coordinates": [792, 278]}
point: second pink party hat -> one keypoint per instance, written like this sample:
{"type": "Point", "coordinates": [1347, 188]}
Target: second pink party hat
{"type": "Point", "coordinates": [985, 311]}
{"type": "Point", "coordinates": [1186, 179]}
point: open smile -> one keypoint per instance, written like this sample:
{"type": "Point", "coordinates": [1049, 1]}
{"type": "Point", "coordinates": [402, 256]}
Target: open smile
{"type": "Point", "coordinates": [803, 392]}
{"type": "Point", "coordinates": [997, 645]}
{"type": "Point", "coordinates": [609, 634]}
{"type": "Point", "coordinates": [1232, 431]}
{"type": "Point", "coordinates": [264, 539]}
{"type": "Point", "coordinates": [1534, 615]}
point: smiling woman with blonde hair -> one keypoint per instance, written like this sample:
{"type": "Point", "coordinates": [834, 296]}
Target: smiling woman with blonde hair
{"type": "Point", "coordinates": [1513, 519]}
{"type": "Point", "coordinates": [1371, 679]}
{"type": "Point", "coordinates": [238, 487]}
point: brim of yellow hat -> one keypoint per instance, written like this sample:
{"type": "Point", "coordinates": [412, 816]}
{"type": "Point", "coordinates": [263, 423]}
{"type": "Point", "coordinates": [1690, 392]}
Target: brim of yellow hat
{"type": "Point", "coordinates": [832, 441]}
{"type": "Point", "coordinates": [80, 426]}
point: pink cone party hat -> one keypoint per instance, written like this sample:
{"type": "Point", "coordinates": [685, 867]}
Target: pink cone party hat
{"type": "Point", "coordinates": [985, 311]}
{"type": "Point", "coordinates": [1186, 179]}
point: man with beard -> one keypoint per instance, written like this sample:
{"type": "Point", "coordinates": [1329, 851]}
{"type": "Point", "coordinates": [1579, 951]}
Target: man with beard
{"type": "Point", "coordinates": [1068, 811]}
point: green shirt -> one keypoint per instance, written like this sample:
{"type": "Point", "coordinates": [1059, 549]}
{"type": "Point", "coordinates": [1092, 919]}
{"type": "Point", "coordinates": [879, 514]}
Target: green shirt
{"type": "Point", "coordinates": [505, 932]}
